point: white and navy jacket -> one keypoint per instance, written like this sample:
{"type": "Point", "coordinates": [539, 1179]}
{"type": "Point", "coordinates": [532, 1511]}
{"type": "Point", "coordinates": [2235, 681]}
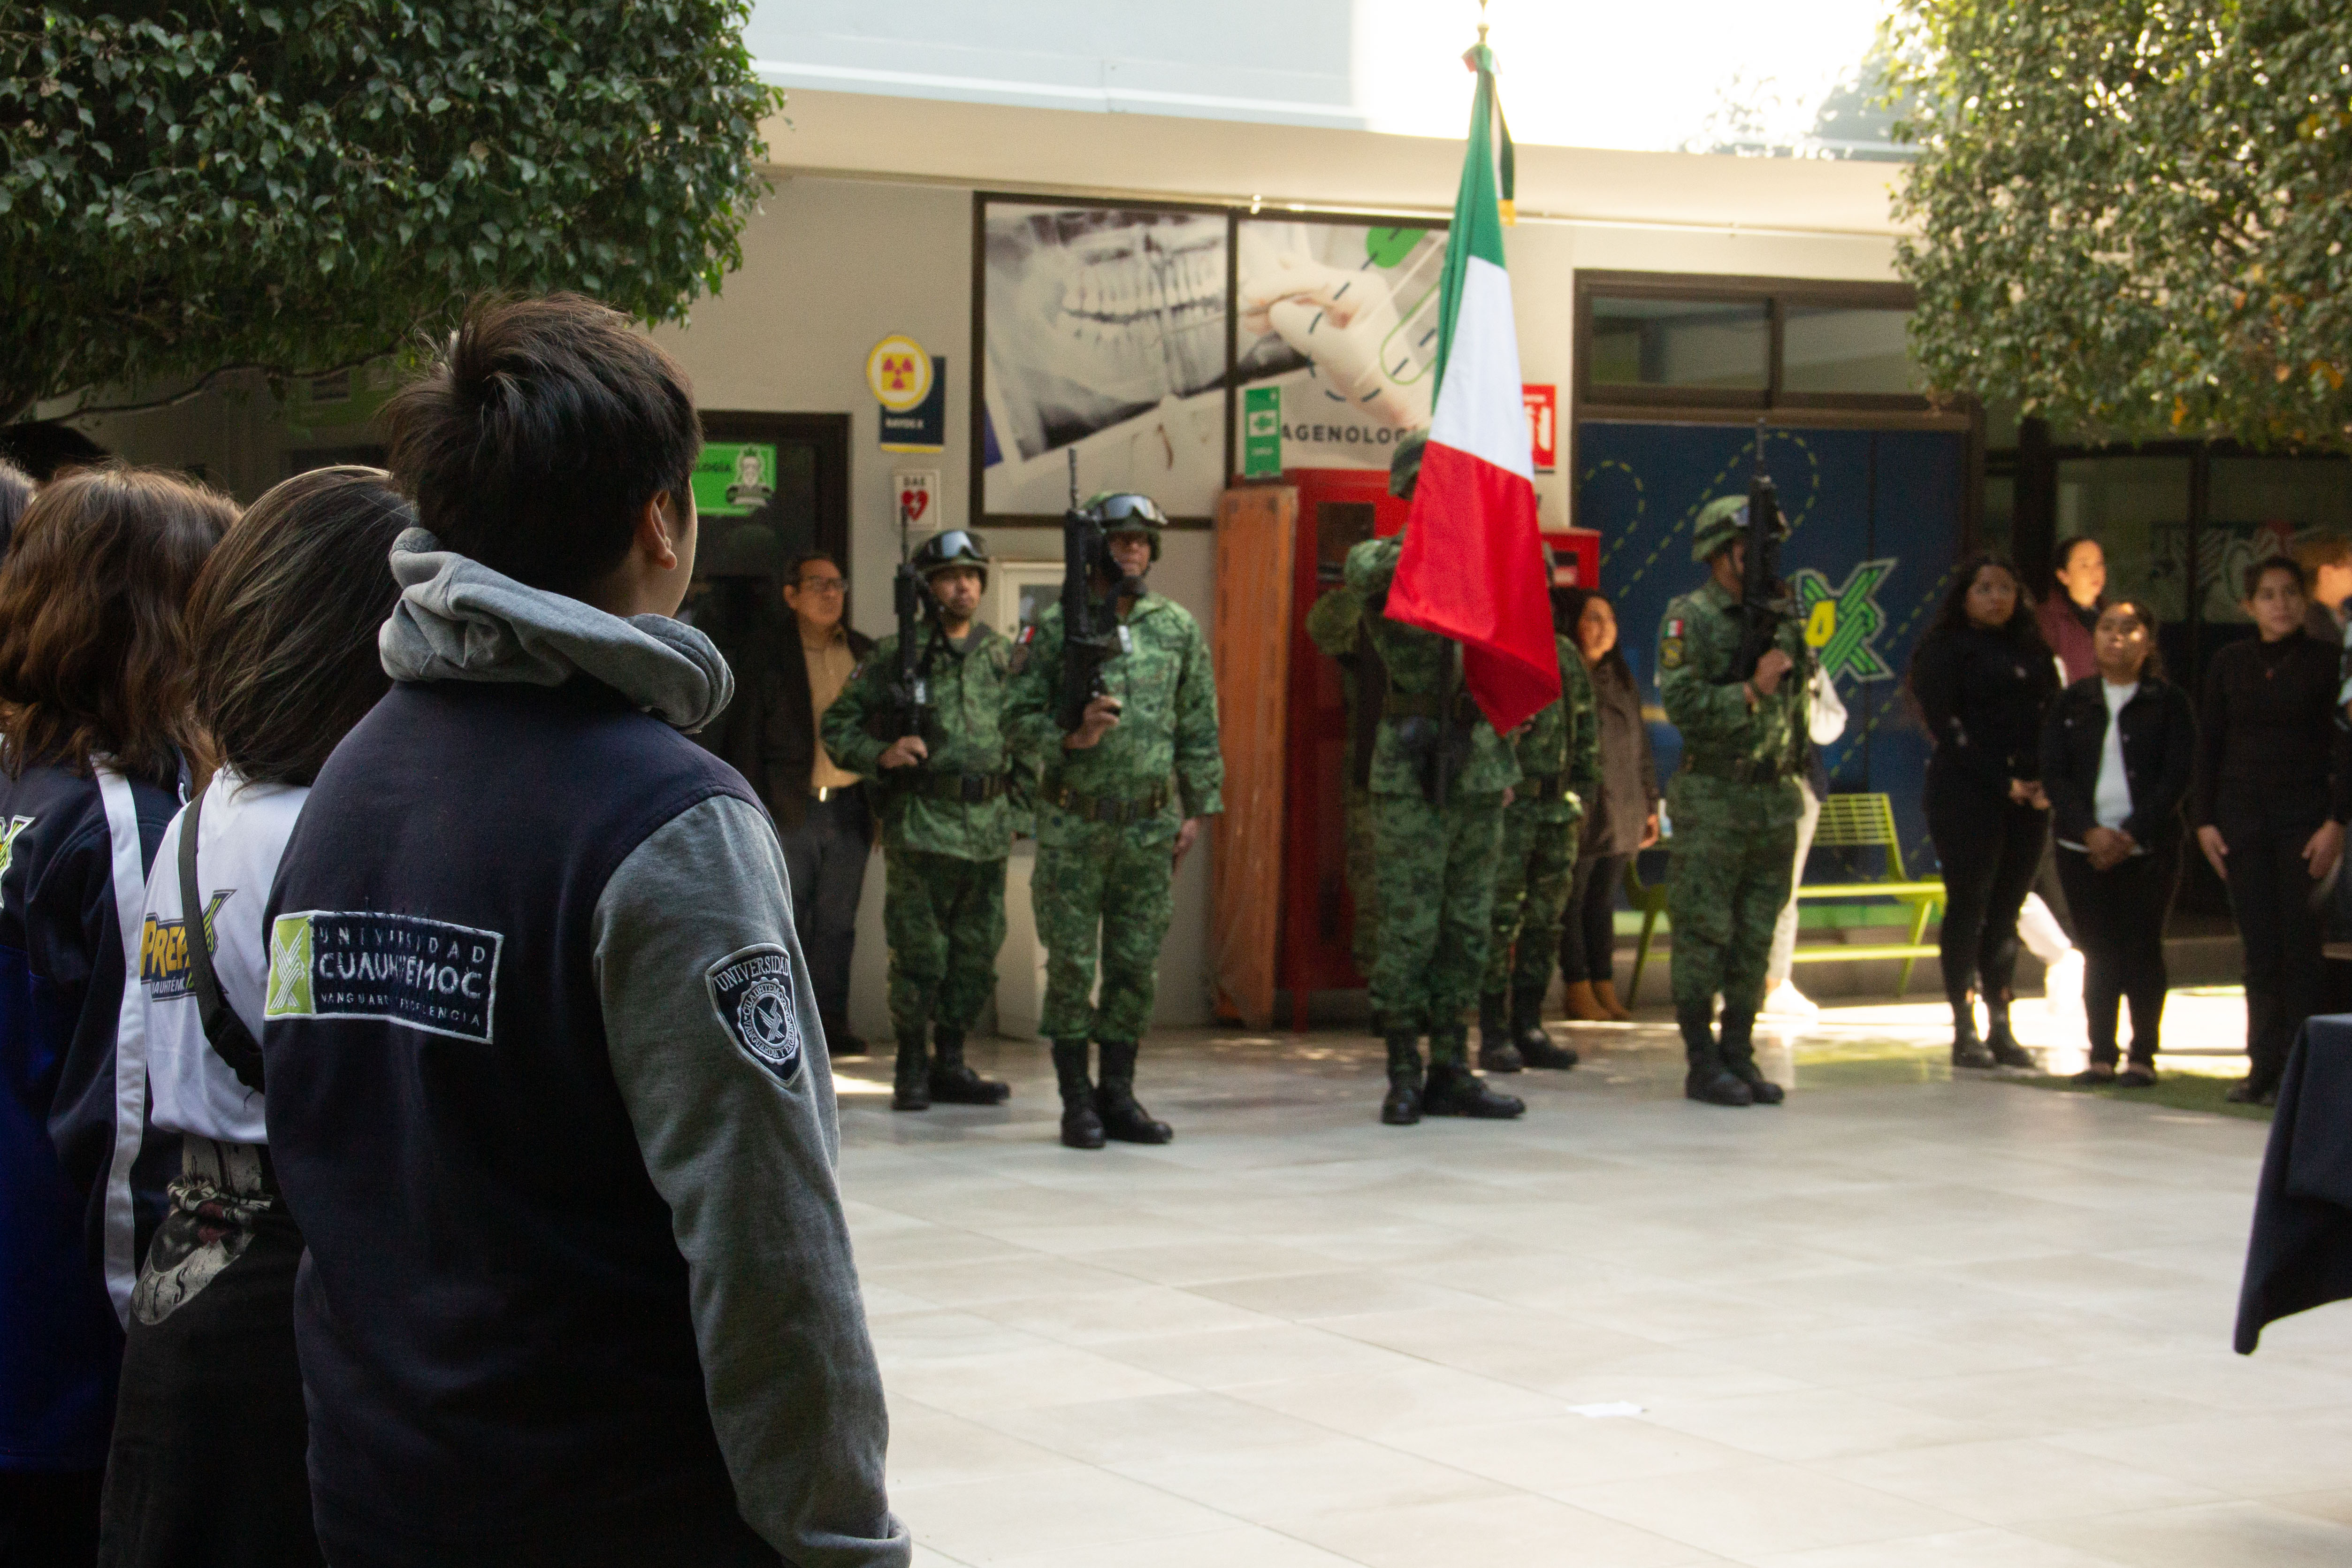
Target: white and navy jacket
{"type": "Point", "coordinates": [82, 1176]}
{"type": "Point", "coordinates": [548, 1097]}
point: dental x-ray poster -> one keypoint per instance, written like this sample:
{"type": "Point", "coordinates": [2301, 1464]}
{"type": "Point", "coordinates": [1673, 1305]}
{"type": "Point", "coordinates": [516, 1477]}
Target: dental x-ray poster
{"type": "Point", "coordinates": [1104, 334]}
{"type": "Point", "coordinates": [1342, 319]}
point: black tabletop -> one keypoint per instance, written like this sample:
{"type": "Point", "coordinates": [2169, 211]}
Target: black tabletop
{"type": "Point", "coordinates": [2300, 1254]}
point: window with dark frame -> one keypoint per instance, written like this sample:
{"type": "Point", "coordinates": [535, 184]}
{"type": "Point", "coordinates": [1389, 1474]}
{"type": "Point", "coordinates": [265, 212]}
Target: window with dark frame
{"type": "Point", "coordinates": [1671, 340]}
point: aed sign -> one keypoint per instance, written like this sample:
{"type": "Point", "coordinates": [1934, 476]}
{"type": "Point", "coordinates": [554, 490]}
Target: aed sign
{"type": "Point", "coordinates": [1542, 404]}
{"type": "Point", "coordinates": [918, 498]}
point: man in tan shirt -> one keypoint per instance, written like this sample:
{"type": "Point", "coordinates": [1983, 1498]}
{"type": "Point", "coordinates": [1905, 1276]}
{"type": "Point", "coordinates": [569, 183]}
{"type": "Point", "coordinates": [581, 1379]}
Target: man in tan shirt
{"type": "Point", "coordinates": [820, 809]}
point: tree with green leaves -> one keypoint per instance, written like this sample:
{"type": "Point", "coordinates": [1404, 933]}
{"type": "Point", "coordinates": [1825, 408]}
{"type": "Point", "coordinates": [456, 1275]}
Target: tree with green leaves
{"type": "Point", "coordinates": [2134, 215]}
{"type": "Point", "coordinates": [189, 186]}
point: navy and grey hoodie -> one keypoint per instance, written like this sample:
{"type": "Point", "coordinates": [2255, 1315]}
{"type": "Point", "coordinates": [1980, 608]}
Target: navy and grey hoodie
{"type": "Point", "coordinates": [547, 1096]}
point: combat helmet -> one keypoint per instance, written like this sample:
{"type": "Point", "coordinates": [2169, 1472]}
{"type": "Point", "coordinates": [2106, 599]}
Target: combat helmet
{"type": "Point", "coordinates": [1719, 523]}
{"type": "Point", "coordinates": [951, 547]}
{"type": "Point", "coordinates": [1404, 464]}
{"type": "Point", "coordinates": [1126, 511]}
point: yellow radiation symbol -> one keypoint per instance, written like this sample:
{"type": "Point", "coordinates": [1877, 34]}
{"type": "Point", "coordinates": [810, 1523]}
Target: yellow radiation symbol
{"type": "Point", "coordinates": [899, 373]}
{"type": "Point", "coordinates": [1821, 625]}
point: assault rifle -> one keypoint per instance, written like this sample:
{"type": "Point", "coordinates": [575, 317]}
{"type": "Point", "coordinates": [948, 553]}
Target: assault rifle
{"type": "Point", "coordinates": [1763, 605]}
{"type": "Point", "coordinates": [1092, 634]}
{"type": "Point", "coordinates": [909, 711]}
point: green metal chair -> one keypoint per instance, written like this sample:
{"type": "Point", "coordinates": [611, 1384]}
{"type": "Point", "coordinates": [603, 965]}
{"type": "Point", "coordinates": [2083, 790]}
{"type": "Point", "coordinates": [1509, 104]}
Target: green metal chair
{"type": "Point", "coordinates": [1847, 822]}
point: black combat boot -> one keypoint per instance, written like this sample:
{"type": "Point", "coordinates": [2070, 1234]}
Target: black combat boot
{"type": "Point", "coordinates": [1998, 1038]}
{"type": "Point", "coordinates": [1082, 1126]}
{"type": "Point", "coordinates": [910, 1089]}
{"type": "Point", "coordinates": [1968, 1051]}
{"type": "Point", "coordinates": [953, 1083]}
{"type": "Point", "coordinates": [1122, 1116]}
{"type": "Point", "coordinates": [1454, 1090]}
{"type": "Point", "coordinates": [1495, 1052]}
{"type": "Point", "coordinates": [1402, 1106]}
{"type": "Point", "coordinates": [1709, 1080]}
{"type": "Point", "coordinates": [1738, 1049]}
{"type": "Point", "coordinates": [1536, 1047]}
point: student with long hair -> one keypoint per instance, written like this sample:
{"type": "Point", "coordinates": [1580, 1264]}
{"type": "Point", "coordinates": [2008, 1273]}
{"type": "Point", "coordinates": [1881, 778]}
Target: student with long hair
{"type": "Point", "coordinates": [2117, 752]}
{"type": "Point", "coordinates": [94, 729]}
{"type": "Point", "coordinates": [1982, 676]}
{"type": "Point", "coordinates": [2273, 793]}
{"type": "Point", "coordinates": [206, 1468]}
{"type": "Point", "coordinates": [1620, 821]}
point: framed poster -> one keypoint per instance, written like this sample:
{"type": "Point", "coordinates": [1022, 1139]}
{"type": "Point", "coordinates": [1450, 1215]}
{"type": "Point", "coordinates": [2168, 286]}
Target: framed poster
{"type": "Point", "coordinates": [1098, 334]}
{"type": "Point", "coordinates": [1338, 320]}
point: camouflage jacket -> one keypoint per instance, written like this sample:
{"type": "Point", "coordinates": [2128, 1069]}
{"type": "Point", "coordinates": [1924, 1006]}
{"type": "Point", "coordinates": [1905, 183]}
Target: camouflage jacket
{"type": "Point", "coordinates": [1166, 738]}
{"type": "Point", "coordinates": [966, 737]}
{"type": "Point", "coordinates": [1417, 663]}
{"type": "Point", "coordinates": [1336, 622]}
{"type": "Point", "coordinates": [1696, 643]}
{"type": "Point", "coordinates": [1563, 740]}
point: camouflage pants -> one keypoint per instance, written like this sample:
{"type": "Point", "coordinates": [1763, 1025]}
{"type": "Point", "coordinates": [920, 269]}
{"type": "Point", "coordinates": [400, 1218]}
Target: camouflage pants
{"type": "Point", "coordinates": [1101, 883]}
{"type": "Point", "coordinates": [1531, 882]}
{"type": "Point", "coordinates": [1363, 880]}
{"type": "Point", "coordinates": [944, 919]}
{"type": "Point", "coordinates": [1735, 849]}
{"type": "Point", "coordinates": [1437, 889]}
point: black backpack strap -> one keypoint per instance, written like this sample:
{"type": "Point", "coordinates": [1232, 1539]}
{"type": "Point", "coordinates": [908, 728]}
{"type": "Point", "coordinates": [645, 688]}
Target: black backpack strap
{"type": "Point", "coordinates": [231, 1041]}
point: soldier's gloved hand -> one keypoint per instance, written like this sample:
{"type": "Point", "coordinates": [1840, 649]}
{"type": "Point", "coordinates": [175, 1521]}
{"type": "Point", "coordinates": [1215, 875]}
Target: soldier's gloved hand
{"type": "Point", "coordinates": [1769, 669]}
{"type": "Point", "coordinates": [906, 751]}
{"type": "Point", "coordinates": [1100, 719]}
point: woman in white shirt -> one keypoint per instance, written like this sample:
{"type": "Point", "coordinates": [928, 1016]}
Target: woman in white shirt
{"type": "Point", "coordinates": [206, 1466]}
{"type": "Point", "coordinates": [2118, 751]}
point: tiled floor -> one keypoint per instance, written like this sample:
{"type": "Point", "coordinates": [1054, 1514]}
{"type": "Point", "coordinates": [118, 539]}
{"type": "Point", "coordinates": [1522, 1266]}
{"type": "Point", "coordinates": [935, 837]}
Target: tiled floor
{"type": "Point", "coordinates": [1897, 1322]}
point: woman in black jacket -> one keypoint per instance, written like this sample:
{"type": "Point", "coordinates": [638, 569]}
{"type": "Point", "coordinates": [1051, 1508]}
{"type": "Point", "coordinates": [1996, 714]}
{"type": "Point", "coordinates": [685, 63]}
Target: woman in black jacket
{"type": "Point", "coordinates": [2117, 752]}
{"type": "Point", "coordinates": [1982, 676]}
{"type": "Point", "coordinates": [2272, 792]}
{"type": "Point", "coordinates": [1620, 821]}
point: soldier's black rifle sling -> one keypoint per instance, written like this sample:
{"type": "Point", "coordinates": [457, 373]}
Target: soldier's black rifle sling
{"type": "Point", "coordinates": [911, 688]}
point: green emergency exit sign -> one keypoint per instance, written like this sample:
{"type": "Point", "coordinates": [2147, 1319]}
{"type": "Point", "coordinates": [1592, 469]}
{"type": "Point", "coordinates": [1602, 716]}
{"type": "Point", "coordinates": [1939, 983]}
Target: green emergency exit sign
{"type": "Point", "coordinates": [1260, 432]}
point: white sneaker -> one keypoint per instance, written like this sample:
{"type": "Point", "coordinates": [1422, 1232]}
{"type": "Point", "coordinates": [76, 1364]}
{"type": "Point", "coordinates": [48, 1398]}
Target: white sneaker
{"type": "Point", "coordinates": [1785, 1001]}
{"type": "Point", "coordinates": [2062, 985]}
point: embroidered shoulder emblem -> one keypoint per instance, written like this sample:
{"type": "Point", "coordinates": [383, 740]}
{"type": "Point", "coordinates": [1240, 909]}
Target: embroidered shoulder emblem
{"type": "Point", "coordinates": [751, 991]}
{"type": "Point", "coordinates": [1670, 652]}
{"type": "Point", "coordinates": [1019, 660]}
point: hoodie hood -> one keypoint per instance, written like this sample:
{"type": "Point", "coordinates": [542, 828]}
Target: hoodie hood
{"type": "Point", "coordinates": [458, 620]}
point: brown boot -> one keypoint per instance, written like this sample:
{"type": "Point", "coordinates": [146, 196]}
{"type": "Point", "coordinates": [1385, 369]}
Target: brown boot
{"type": "Point", "coordinates": [1605, 993]}
{"type": "Point", "coordinates": [1583, 1005]}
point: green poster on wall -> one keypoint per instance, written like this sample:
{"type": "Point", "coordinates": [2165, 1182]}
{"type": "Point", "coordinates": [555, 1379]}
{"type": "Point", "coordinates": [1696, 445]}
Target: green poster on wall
{"type": "Point", "coordinates": [734, 479]}
{"type": "Point", "coordinates": [1260, 432]}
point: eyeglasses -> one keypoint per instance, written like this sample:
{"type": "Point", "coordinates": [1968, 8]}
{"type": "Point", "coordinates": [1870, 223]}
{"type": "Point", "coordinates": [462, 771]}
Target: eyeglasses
{"type": "Point", "coordinates": [822, 585]}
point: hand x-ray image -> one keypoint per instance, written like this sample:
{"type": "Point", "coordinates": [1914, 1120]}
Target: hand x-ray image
{"type": "Point", "coordinates": [1104, 330]}
{"type": "Point", "coordinates": [1343, 318]}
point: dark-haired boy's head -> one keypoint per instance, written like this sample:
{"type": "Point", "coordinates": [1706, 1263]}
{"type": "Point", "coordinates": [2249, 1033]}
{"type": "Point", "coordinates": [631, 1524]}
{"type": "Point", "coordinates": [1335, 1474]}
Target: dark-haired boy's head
{"type": "Point", "coordinates": [539, 435]}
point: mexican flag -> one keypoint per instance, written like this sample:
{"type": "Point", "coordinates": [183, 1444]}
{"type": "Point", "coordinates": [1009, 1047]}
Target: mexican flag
{"type": "Point", "coordinates": [1472, 566]}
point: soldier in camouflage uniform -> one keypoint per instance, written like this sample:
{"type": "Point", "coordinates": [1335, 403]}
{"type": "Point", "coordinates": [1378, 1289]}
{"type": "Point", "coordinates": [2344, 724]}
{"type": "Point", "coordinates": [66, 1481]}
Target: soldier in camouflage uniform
{"type": "Point", "coordinates": [950, 802]}
{"type": "Point", "coordinates": [1122, 798]}
{"type": "Point", "coordinates": [1437, 859]}
{"type": "Point", "coordinates": [1735, 805]}
{"type": "Point", "coordinates": [1336, 624]}
{"type": "Point", "coordinates": [1558, 754]}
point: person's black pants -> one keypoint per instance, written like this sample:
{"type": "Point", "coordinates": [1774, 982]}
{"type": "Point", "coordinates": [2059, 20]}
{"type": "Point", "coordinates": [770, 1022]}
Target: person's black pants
{"type": "Point", "coordinates": [1588, 928]}
{"type": "Point", "coordinates": [2270, 896]}
{"type": "Point", "coordinates": [825, 856]}
{"type": "Point", "coordinates": [1990, 847]}
{"type": "Point", "coordinates": [2119, 919]}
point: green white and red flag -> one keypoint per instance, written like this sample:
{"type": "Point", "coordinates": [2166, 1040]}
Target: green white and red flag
{"type": "Point", "coordinates": [1473, 566]}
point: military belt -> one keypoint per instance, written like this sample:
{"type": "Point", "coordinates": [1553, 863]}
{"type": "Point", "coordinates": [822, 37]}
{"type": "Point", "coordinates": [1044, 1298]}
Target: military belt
{"type": "Point", "coordinates": [965, 789]}
{"type": "Point", "coordinates": [1095, 808]}
{"type": "Point", "coordinates": [1425, 705]}
{"type": "Point", "coordinates": [1740, 770]}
